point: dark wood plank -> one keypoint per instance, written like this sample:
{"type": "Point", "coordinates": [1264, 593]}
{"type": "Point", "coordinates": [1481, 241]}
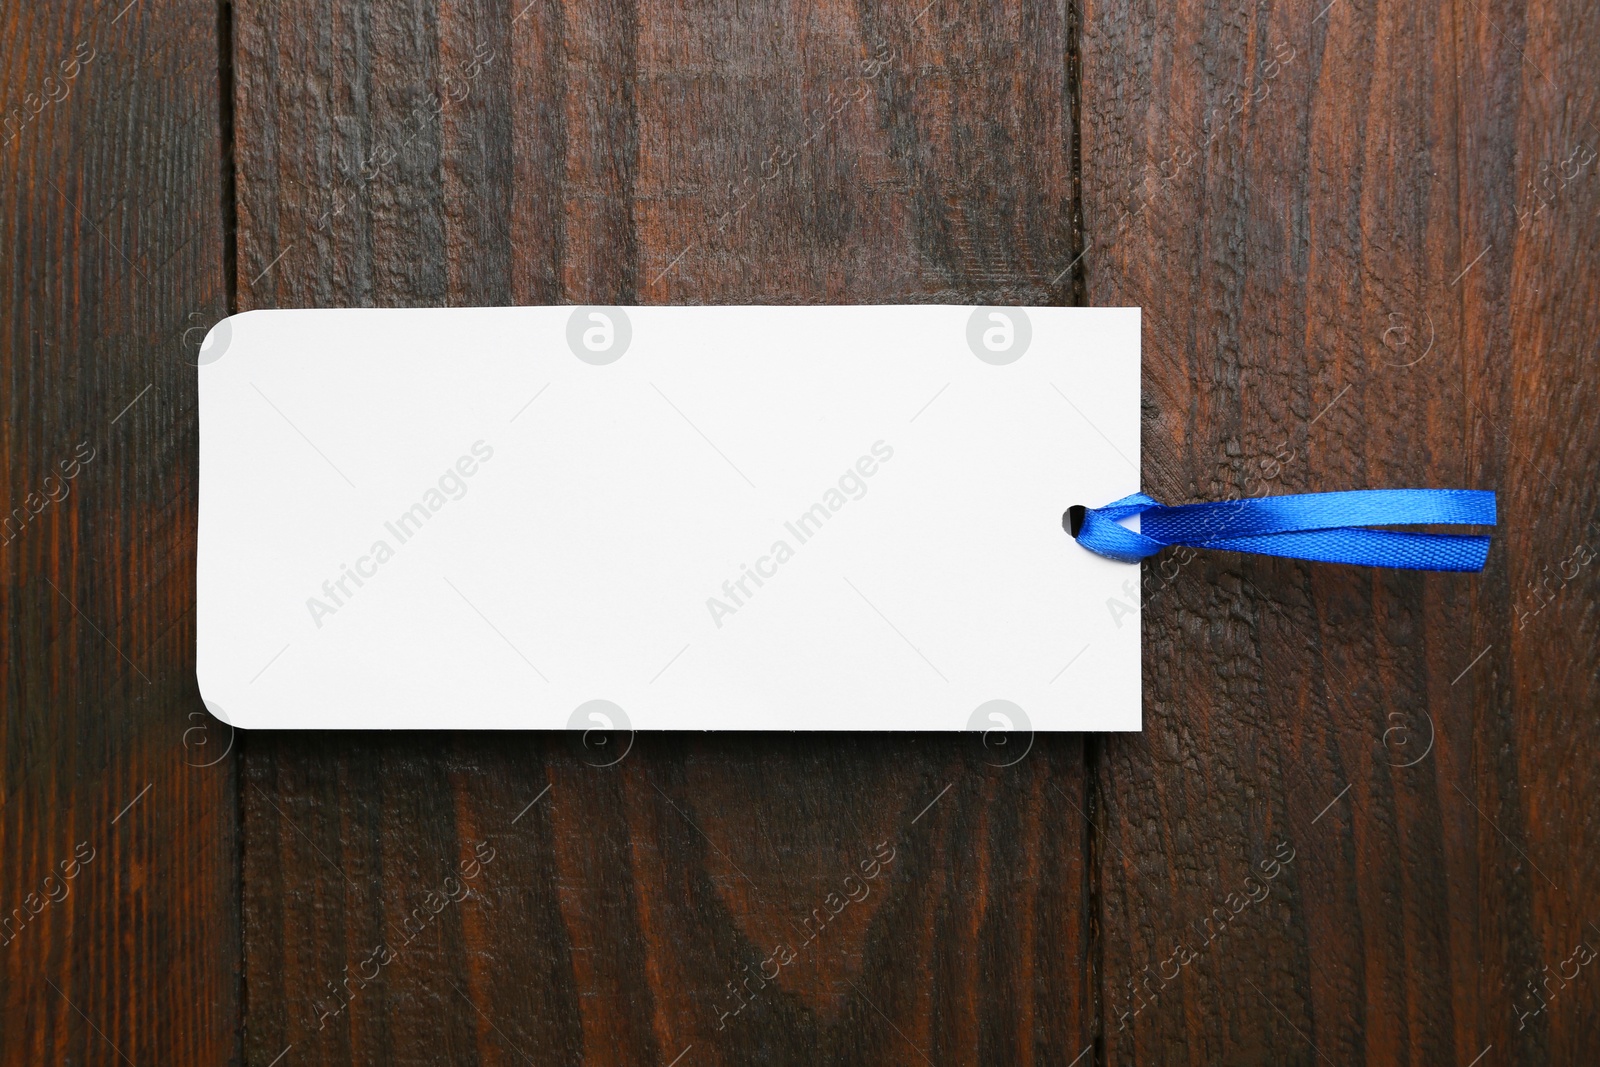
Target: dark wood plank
{"type": "Point", "coordinates": [1345, 285]}
{"type": "Point", "coordinates": [119, 914]}
{"type": "Point", "coordinates": [613, 916]}
{"type": "Point", "coordinates": [600, 151]}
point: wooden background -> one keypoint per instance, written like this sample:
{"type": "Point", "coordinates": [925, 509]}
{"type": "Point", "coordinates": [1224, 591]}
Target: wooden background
{"type": "Point", "coordinates": [1363, 233]}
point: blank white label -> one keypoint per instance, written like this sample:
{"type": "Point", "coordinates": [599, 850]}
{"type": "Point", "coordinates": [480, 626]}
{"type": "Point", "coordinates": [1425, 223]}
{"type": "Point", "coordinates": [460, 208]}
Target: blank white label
{"type": "Point", "coordinates": [721, 518]}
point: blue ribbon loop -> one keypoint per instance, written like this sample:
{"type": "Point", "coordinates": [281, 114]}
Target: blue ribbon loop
{"type": "Point", "coordinates": [1324, 527]}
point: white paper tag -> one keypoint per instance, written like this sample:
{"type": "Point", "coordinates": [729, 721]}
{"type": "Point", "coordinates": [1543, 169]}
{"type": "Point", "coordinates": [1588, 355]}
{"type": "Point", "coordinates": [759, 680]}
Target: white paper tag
{"type": "Point", "coordinates": [722, 518]}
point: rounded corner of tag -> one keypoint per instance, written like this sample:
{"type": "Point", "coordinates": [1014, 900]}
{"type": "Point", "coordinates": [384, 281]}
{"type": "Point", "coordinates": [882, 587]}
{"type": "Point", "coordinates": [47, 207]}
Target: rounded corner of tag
{"type": "Point", "coordinates": [220, 338]}
{"type": "Point", "coordinates": [225, 711]}
{"type": "Point", "coordinates": [204, 744]}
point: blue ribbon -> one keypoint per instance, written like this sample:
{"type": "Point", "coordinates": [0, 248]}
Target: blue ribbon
{"type": "Point", "coordinates": [1324, 527]}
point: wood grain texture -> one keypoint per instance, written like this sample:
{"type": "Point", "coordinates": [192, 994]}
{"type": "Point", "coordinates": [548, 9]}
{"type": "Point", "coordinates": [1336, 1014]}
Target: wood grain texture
{"type": "Point", "coordinates": [1359, 826]}
{"type": "Point", "coordinates": [119, 919]}
{"type": "Point", "coordinates": [1363, 236]}
{"type": "Point", "coordinates": [612, 910]}
{"type": "Point", "coordinates": [600, 151]}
